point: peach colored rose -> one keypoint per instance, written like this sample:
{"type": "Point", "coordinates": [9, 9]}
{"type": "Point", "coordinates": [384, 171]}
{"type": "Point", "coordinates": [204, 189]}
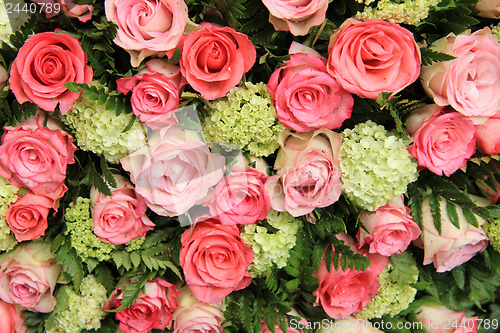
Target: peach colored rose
{"type": "Point", "coordinates": [453, 246]}
{"type": "Point", "coordinates": [488, 135]}
{"type": "Point", "coordinates": [443, 140]}
{"type": "Point", "coordinates": [214, 260]}
{"type": "Point", "coordinates": [152, 310]}
{"type": "Point", "coordinates": [174, 171]}
{"type": "Point", "coordinates": [296, 16]}
{"type": "Point", "coordinates": [306, 97]}
{"type": "Point", "coordinates": [147, 27]}
{"type": "Point", "coordinates": [307, 172]}
{"type": "Point", "coordinates": [28, 276]}
{"type": "Point", "coordinates": [193, 315]}
{"type": "Point", "coordinates": [471, 82]}
{"type": "Point", "coordinates": [121, 217]}
{"type": "Point", "coordinates": [373, 56]}
{"type": "Point", "coordinates": [343, 292]}
{"type": "Point", "coordinates": [389, 229]}
{"type": "Point", "coordinates": [214, 59]}
{"type": "Point", "coordinates": [12, 320]}
{"type": "Point", "coordinates": [488, 8]}
{"type": "Point", "coordinates": [43, 65]}
{"type": "Point", "coordinates": [69, 8]}
{"type": "Point", "coordinates": [439, 319]}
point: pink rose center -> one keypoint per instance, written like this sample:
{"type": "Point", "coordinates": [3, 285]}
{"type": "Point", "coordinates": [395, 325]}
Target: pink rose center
{"type": "Point", "coordinates": [153, 16]}
{"type": "Point", "coordinates": [213, 57]}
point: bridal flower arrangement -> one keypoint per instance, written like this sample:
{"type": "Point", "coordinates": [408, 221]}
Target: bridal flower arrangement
{"type": "Point", "coordinates": [249, 166]}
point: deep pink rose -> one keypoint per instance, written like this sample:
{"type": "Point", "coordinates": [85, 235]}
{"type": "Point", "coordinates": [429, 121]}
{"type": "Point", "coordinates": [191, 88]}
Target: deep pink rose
{"type": "Point", "coordinates": [174, 171]}
{"type": "Point", "coordinates": [152, 310]}
{"type": "Point", "coordinates": [488, 8]}
{"type": "Point", "coordinates": [439, 319]}
{"type": "Point", "coordinates": [52, 8]}
{"type": "Point", "coordinates": [36, 157]}
{"type": "Point", "coordinates": [147, 27]}
{"type": "Point", "coordinates": [214, 259]}
{"type": "Point", "coordinates": [306, 97]}
{"type": "Point", "coordinates": [341, 293]}
{"type": "Point", "coordinates": [296, 16]}
{"type": "Point", "coordinates": [155, 93]}
{"type": "Point", "coordinates": [121, 217]}
{"type": "Point", "coordinates": [241, 198]}
{"type": "Point", "coordinates": [28, 276]}
{"type": "Point", "coordinates": [471, 82]}
{"type": "Point", "coordinates": [389, 229]}
{"type": "Point", "coordinates": [443, 141]}
{"type": "Point", "coordinates": [488, 135]}
{"type": "Point", "coordinates": [373, 56]}
{"type": "Point", "coordinates": [308, 175]}
{"type": "Point", "coordinates": [43, 65]}
{"type": "Point", "coordinates": [193, 315]}
{"type": "Point", "coordinates": [214, 59]}
{"type": "Point", "coordinates": [27, 217]}
{"type": "Point", "coordinates": [12, 320]}
{"type": "Point", "coordinates": [453, 246]}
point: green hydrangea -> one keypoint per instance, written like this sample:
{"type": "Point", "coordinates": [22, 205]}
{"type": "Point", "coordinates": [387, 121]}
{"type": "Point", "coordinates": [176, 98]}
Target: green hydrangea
{"type": "Point", "coordinates": [492, 229]}
{"type": "Point", "coordinates": [83, 309]}
{"type": "Point", "coordinates": [406, 11]}
{"type": "Point", "coordinates": [246, 118]}
{"type": "Point", "coordinates": [102, 131]}
{"type": "Point", "coordinates": [376, 166]}
{"type": "Point", "coordinates": [134, 244]}
{"type": "Point", "coordinates": [496, 32]}
{"type": "Point", "coordinates": [80, 228]}
{"type": "Point", "coordinates": [271, 249]}
{"type": "Point", "coordinates": [8, 195]}
{"type": "Point", "coordinates": [392, 296]}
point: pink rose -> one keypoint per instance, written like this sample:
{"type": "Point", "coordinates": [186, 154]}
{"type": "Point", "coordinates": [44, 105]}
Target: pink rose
{"type": "Point", "coordinates": [147, 27]}
{"type": "Point", "coordinates": [12, 320]}
{"type": "Point", "coordinates": [152, 310]}
{"type": "Point", "coordinates": [293, 325]}
{"type": "Point", "coordinates": [43, 65]}
{"type": "Point", "coordinates": [241, 198]}
{"type": "Point", "coordinates": [439, 319]}
{"type": "Point", "coordinates": [28, 276]}
{"type": "Point", "coordinates": [389, 229]}
{"type": "Point", "coordinates": [343, 292]}
{"type": "Point", "coordinates": [193, 315]}
{"type": "Point", "coordinates": [471, 82]}
{"type": "Point", "coordinates": [443, 141]}
{"type": "Point", "coordinates": [308, 173]}
{"type": "Point", "coordinates": [214, 59]}
{"type": "Point", "coordinates": [296, 16]}
{"type": "Point", "coordinates": [488, 8]}
{"type": "Point", "coordinates": [34, 156]}
{"type": "Point", "coordinates": [27, 217]}
{"type": "Point", "coordinates": [214, 259]}
{"type": "Point", "coordinates": [121, 217]}
{"type": "Point", "coordinates": [68, 7]}
{"type": "Point", "coordinates": [488, 135]}
{"type": "Point", "coordinates": [373, 56]}
{"type": "Point", "coordinates": [453, 246]}
{"type": "Point", "coordinates": [306, 97]}
{"type": "Point", "coordinates": [155, 93]}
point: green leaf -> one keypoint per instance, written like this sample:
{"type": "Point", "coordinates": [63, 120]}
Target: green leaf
{"type": "Point", "coordinates": [107, 174]}
{"type": "Point", "coordinates": [451, 210]}
{"type": "Point", "coordinates": [459, 276]}
{"type": "Point", "coordinates": [470, 217]}
{"type": "Point", "coordinates": [436, 211]}
{"type": "Point", "coordinates": [135, 258]}
{"type": "Point", "coordinates": [430, 56]}
{"type": "Point", "coordinates": [292, 285]}
{"type": "Point", "coordinates": [117, 258]}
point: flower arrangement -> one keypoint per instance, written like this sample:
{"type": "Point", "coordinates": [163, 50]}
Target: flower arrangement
{"type": "Point", "coordinates": [249, 166]}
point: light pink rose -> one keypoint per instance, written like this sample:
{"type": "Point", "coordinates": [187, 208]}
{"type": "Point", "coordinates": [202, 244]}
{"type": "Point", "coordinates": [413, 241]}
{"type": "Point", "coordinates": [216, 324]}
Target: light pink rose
{"type": "Point", "coordinates": [121, 217]}
{"type": "Point", "coordinates": [343, 292]}
{"type": "Point", "coordinates": [453, 246]}
{"type": "Point", "coordinates": [240, 198]}
{"type": "Point", "coordinates": [350, 325]}
{"type": "Point", "coordinates": [28, 276]}
{"type": "Point", "coordinates": [193, 315]}
{"type": "Point", "coordinates": [155, 93]}
{"type": "Point", "coordinates": [488, 135]}
{"type": "Point", "coordinates": [306, 97]}
{"type": "Point", "coordinates": [43, 65]}
{"type": "Point", "coordinates": [296, 16]}
{"type": "Point", "coordinates": [471, 82]}
{"type": "Point", "coordinates": [52, 8]}
{"type": "Point", "coordinates": [439, 319]}
{"type": "Point", "coordinates": [373, 56]}
{"type": "Point", "coordinates": [214, 259]}
{"type": "Point", "coordinates": [488, 8]}
{"type": "Point", "coordinates": [152, 310]}
{"type": "Point", "coordinates": [214, 59]}
{"type": "Point", "coordinates": [4, 76]}
{"type": "Point", "coordinates": [147, 27]}
{"type": "Point", "coordinates": [34, 156]}
{"type": "Point", "coordinates": [12, 320]}
{"type": "Point", "coordinates": [443, 140]}
{"type": "Point", "coordinates": [174, 171]}
{"type": "Point", "coordinates": [308, 175]}
{"type": "Point", "coordinates": [389, 229]}
{"type": "Point", "coordinates": [27, 217]}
